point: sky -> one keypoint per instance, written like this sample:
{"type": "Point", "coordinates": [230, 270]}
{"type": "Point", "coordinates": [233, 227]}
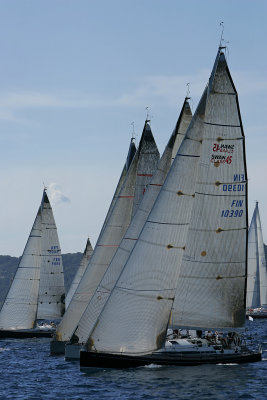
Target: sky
{"type": "Point", "coordinates": [75, 76]}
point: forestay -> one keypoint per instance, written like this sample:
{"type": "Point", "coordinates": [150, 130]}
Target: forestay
{"type": "Point", "coordinates": [138, 176]}
{"type": "Point", "coordinates": [103, 291]}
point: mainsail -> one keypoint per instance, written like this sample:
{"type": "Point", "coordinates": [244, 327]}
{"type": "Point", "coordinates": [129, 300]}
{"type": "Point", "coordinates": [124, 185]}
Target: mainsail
{"type": "Point", "coordinates": [257, 272]}
{"type": "Point", "coordinates": [190, 258]}
{"type": "Point", "coordinates": [83, 264]}
{"type": "Point", "coordinates": [105, 287]}
{"type": "Point", "coordinates": [138, 176]}
{"type": "Point", "coordinates": [37, 289]}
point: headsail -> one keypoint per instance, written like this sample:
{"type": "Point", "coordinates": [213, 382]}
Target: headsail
{"type": "Point", "coordinates": [257, 272]}
{"type": "Point", "coordinates": [83, 264]}
{"type": "Point", "coordinates": [100, 297]}
{"type": "Point", "coordinates": [207, 266]}
{"type": "Point", "coordinates": [138, 176]}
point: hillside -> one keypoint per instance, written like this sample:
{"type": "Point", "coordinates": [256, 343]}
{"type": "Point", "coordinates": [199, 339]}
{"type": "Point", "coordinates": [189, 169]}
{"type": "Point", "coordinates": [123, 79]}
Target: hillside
{"type": "Point", "coordinates": [8, 267]}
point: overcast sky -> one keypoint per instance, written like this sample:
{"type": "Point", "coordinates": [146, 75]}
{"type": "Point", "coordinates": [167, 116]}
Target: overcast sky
{"type": "Point", "coordinates": [74, 75]}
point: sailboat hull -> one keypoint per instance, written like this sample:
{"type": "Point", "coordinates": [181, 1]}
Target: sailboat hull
{"type": "Point", "coordinates": [257, 315]}
{"type": "Point", "coordinates": [107, 360]}
{"type": "Point", "coordinates": [26, 333]}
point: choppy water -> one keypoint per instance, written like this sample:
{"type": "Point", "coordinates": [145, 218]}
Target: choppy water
{"type": "Point", "coordinates": [29, 372]}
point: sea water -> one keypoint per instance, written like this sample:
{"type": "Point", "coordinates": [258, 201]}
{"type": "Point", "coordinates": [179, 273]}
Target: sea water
{"type": "Point", "coordinates": [29, 372]}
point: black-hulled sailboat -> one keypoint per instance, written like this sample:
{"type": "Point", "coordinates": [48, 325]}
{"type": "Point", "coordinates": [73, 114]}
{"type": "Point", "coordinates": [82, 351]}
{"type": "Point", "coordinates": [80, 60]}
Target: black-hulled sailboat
{"type": "Point", "coordinates": [190, 260]}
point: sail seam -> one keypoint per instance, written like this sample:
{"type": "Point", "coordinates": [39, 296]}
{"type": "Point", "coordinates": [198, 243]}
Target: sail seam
{"type": "Point", "coordinates": [168, 223]}
{"type": "Point", "coordinates": [143, 290]}
{"type": "Point", "coordinates": [230, 126]}
{"type": "Point", "coordinates": [213, 262]}
{"type": "Point", "coordinates": [219, 195]}
{"type": "Point", "coordinates": [187, 155]}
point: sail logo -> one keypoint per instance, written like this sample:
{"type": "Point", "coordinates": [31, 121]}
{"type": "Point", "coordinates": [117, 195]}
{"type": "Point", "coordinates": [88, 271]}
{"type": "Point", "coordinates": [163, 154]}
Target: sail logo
{"type": "Point", "coordinates": [223, 148]}
{"type": "Point", "coordinates": [54, 250]}
{"type": "Point", "coordinates": [56, 261]}
{"type": "Point", "coordinates": [220, 159]}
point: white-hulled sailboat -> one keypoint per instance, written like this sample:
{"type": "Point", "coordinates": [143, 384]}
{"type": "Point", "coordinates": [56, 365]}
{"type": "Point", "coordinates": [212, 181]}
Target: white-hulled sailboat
{"type": "Point", "coordinates": [101, 295]}
{"type": "Point", "coordinates": [190, 260]}
{"type": "Point", "coordinates": [138, 176]}
{"type": "Point", "coordinates": [35, 301]}
{"type": "Point", "coordinates": [257, 271]}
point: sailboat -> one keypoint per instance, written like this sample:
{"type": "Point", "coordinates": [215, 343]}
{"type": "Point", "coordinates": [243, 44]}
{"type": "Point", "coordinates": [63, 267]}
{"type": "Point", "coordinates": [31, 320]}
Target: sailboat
{"type": "Point", "coordinates": [257, 271]}
{"type": "Point", "coordinates": [83, 264]}
{"type": "Point", "coordinates": [101, 295]}
{"type": "Point", "coordinates": [138, 176]}
{"type": "Point", "coordinates": [190, 260]}
{"type": "Point", "coordinates": [35, 301]}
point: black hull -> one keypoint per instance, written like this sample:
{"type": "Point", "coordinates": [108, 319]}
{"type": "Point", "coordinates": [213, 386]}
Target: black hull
{"type": "Point", "coordinates": [25, 333]}
{"type": "Point", "coordinates": [107, 360]}
{"type": "Point", "coordinates": [260, 315]}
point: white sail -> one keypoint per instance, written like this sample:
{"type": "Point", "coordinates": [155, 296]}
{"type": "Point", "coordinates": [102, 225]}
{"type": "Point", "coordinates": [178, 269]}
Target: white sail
{"type": "Point", "coordinates": [211, 285]}
{"type": "Point", "coordinates": [262, 265]}
{"type": "Point", "coordinates": [253, 278]}
{"type": "Point", "coordinates": [129, 158]}
{"type": "Point", "coordinates": [83, 264]}
{"type": "Point", "coordinates": [257, 273]}
{"type": "Point", "coordinates": [51, 289]}
{"type": "Point", "coordinates": [136, 315]}
{"type": "Point", "coordinates": [103, 291]}
{"type": "Point", "coordinates": [19, 308]}
{"type": "Point", "coordinates": [139, 174]}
